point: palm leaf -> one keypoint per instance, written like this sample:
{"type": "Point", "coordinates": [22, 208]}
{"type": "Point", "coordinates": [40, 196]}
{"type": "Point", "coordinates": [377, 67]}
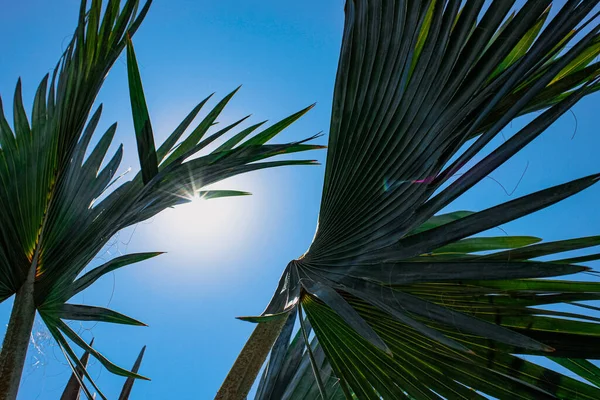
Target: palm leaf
{"type": "Point", "coordinates": [422, 87]}
{"type": "Point", "coordinates": [74, 386]}
{"type": "Point", "coordinates": [60, 208]}
{"type": "Point", "coordinates": [128, 385]}
{"type": "Point", "coordinates": [72, 390]}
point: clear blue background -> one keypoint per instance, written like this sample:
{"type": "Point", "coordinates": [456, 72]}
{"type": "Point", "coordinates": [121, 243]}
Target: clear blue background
{"type": "Point", "coordinates": [224, 260]}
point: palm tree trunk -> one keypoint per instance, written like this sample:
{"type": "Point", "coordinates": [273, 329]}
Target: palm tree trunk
{"type": "Point", "coordinates": [244, 371]}
{"type": "Point", "coordinates": [16, 341]}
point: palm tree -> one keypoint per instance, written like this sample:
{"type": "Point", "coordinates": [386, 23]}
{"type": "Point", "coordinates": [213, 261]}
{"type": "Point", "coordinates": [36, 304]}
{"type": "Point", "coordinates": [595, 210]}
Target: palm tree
{"type": "Point", "coordinates": [405, 301]}
{"type": "Point", "coordinates": [60, 208]}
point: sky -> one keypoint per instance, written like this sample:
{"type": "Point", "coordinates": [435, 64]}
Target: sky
{"type": "Point", "coordinates": [224, 257]}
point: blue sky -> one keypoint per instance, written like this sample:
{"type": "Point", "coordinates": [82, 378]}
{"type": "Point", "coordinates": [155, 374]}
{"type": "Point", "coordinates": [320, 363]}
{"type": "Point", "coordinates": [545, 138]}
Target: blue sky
{"type": "Point", "coordinates": [225, 256]}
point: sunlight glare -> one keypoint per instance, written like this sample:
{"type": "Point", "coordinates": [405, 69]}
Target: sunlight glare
{"type": "Point", "coordinates": [201, 220]}
{"type": "Point", "coordinates": [208, 230]}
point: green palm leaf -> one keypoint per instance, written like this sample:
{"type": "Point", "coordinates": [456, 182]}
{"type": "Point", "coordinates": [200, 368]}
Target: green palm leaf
{"type": "Point", "coordinates": [74, 385]}
{"type": "Point", "coordinates": [422, 87]}
{"type": "Point", "coordinates": [60, 208]}
{"type": "Point", "coordinates": [72, 390]}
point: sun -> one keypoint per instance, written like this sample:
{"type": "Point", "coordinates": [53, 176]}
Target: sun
{"type": "Point", "coordinates": [207, 229]}
{"type": "Point", "coordinates": [202, 214]}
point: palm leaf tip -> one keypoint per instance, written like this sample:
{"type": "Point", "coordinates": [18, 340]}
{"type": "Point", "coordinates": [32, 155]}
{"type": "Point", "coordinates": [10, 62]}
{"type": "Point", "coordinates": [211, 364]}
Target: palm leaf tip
{"type": "Point", "coordinates": [128, 385]}
{"type": "Point", "coordinates": [141, 118]}
{"type": "Point", "coordinates": [73, 387]}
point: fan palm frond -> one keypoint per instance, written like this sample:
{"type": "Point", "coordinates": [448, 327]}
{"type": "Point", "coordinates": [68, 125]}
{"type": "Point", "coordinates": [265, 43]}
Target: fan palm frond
{"type": "Point", "coordinates": [406, 302]}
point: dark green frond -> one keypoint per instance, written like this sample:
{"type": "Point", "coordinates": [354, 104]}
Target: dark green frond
{"type": "Point", "coordinates": [128, 385]}
{"type": "Point", "coordinates": [72, 390]}
{"type": "Point", "coordinates": [59, 208]}
{"type": "Point", "coordinates": [422, 88]}
{"type": "Point", "coordinates": [74, 386]}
